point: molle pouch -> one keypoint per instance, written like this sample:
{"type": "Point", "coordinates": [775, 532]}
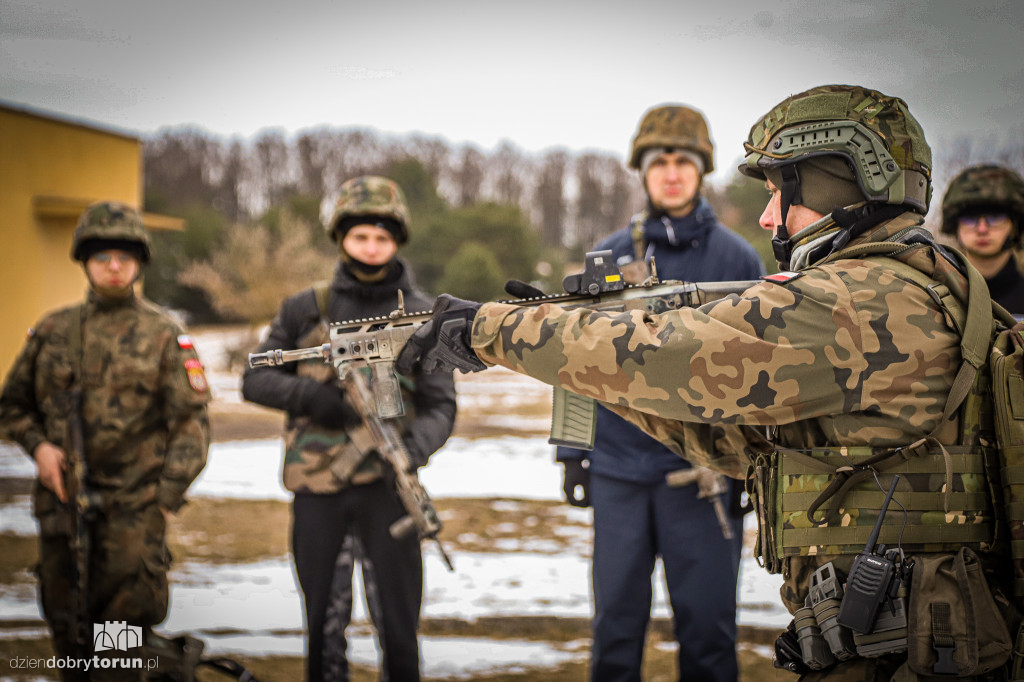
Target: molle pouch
{"type": "Point", "coordinates": [825, 595]}
{"type": "Point", "coordinates": [953, 625]}
{"type": "Point", "coordinates": [889, 634]}
{"type": "Point", "coordinates": [1006, 362]}
{"type": "Point", "coordinates": [814, 650]}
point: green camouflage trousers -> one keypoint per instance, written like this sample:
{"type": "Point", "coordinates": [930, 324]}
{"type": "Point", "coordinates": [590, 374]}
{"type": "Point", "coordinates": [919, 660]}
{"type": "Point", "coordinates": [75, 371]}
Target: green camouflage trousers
{"type": "Point", "coordinates": [127, 579]}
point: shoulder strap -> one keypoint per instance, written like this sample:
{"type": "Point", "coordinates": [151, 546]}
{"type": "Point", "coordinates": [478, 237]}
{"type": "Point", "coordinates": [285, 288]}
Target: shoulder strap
{"type": "Point", "coordinates": [636, 233]}
{"type": "Point", "coordinates": [322, 297]}
{"type": "Point", "coordinates": [75, 341]}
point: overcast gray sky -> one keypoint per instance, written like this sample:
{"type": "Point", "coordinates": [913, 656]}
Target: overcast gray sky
{"type": "Point", "coordinates": [538, 73]}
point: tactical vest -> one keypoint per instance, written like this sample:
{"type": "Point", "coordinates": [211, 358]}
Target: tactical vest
{"type": "Point", "coordinates": [316, 459]}
{"type": "Point", "coordinates": [825, 501]}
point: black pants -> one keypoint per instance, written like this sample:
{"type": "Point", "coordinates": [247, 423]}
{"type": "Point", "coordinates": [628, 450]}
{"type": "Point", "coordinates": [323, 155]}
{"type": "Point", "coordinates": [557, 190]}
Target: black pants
{"type": "Point", "coordinates": [634, 524]}
{"type": "Point", "coordinates": [319, 526]}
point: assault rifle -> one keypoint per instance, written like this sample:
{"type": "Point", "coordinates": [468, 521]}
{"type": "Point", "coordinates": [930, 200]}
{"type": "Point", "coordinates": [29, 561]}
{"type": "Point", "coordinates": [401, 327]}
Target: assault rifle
{"type": "Point", "coordinates": [80, 505]}
{"type": "Point", "coordinates": [81, 508]}
{"type": "Point", "coordinates": [377, 341]}
{"type": "Point", "coordinates": [375, 433]}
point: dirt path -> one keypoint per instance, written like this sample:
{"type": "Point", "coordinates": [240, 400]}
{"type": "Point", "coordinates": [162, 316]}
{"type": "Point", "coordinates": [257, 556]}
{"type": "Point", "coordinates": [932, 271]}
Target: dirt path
{"type": "Point", "coordinates": [244, 421]}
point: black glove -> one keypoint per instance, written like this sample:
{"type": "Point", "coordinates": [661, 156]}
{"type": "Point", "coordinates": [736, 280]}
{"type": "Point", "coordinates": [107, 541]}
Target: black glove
{"type": "Point", "coordinates": [520, 289]}
{"type": "Point", "coordinates": [327, 407]}
{"type": "Point", "coordinates": [787, 652]}
{"type": "Point", "coordinates": [576, 476]}
{"type": "Point", "coordinates": [442, 344]}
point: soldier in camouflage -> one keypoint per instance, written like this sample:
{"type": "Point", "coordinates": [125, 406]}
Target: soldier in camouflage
{"type": "Point", "coordinates": [369, 223]}
{"type": "Point", "coordinates": [638, 515]}
{"type": "Point", "coordinates": [984, 209]}
{"type": "Point", "coordinates": [817, 384]}
{"type": "Point", "coordinates": [145, 435]}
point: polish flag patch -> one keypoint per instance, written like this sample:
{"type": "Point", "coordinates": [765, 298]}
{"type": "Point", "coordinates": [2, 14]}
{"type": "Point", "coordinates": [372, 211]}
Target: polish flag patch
{"type": "Point", "coordinates": [782, 277]}
{"type": "Point", "coordinates": [185, 342]}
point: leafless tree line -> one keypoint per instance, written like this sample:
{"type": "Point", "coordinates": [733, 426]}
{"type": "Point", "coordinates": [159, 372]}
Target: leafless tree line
{"type": "Point", "coordinates": [570, 198]}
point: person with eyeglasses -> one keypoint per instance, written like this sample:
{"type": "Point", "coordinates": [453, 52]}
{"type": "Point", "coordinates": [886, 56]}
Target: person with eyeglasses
{"type": "Point", "coordinates": [142, 438]}
{"type": "Point", "coordinates": [817, 385]}
{"type": "Point", "coordinates": [984, 209]}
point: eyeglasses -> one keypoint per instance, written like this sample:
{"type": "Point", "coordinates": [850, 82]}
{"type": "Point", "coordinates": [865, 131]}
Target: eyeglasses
{"type": "Point", "coordinates": [994, 221]}
{"type": "Point", "coordinates": [105, 257]}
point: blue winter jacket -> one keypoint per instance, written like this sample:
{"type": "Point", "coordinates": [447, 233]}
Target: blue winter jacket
{"type": "Point", "coordinates": [694, 248]}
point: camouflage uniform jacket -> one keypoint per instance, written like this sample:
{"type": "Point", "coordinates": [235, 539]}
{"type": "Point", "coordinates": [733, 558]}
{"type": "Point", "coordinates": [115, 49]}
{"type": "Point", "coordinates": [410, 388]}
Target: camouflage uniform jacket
{"type": "Point", "coordinates": [429, 399]}
{"type": "Point", "coordinates": [144, 399]}
{"type": "Point", "coordinates": [845, 354]}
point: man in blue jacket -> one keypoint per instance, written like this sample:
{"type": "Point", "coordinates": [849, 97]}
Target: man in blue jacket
{"type": "Point", "coordinates": [638, 515]}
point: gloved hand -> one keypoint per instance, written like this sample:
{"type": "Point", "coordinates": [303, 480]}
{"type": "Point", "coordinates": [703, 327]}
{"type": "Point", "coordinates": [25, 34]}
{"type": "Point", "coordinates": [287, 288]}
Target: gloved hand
{"type": "Point", "coordinates": [576, 483]}
{"type": "Point", "coordinates": [442, 344]}
{"type": "Point", "coordinates": [327, 407]}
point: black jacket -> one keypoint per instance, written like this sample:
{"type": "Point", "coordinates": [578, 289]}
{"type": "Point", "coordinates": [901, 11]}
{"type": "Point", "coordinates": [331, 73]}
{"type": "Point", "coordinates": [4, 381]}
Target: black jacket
{"type": "Point", "coordinates": [282, 388]}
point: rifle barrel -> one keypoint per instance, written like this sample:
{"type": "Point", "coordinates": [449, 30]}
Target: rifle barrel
{"type": "Point", "coordinates": [272, 358]}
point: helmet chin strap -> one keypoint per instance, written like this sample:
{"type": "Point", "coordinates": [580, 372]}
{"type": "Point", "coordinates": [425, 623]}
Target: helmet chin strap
{"type": "Point", "coordinates": [782, 247]}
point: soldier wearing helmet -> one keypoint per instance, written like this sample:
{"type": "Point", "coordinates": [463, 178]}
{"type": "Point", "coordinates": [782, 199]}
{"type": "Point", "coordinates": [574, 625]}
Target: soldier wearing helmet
{"type": "Point", "coordinates": [820, 383]}
{"type": "Point", "coordinates": [984, 209]}
{"type": "Point", "coordinates": [624, 476]}
{"type": "Point", "coordinates": [369, 223]}
{"type": "Point", "coordinates": [142, 412]}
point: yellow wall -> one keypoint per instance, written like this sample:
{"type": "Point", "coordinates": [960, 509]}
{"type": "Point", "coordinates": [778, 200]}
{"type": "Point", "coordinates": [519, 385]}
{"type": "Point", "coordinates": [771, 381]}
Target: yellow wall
{"type": "Point", "coordinates": [51, 169]}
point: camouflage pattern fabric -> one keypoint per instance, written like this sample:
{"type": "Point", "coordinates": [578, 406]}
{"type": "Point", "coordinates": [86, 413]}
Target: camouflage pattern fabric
{"type": "Point", "coordinates": [146, 438]}
{"type": "Point", "coordinates": [985, 187]}
{"type": "Point", "coordinates": [673, 126]}
{"type": "Point", "coordinates": [888, 117]}
{"type": "Point", "coordinates": [847, 354]}
{"type": "Point", "coordinates": [110, 220]}
{"type": "Point", "coordinates": [320, 460]}
{"type": "Point", "coordinates": [128, 568]}
{"type": "Point", "coordinates": [889, 154]}
{"type": "Point", "coordinates": [371, 195]}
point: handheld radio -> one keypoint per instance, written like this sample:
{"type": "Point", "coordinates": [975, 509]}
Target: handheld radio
{"type": "Point", "coordinates": [870, 579]}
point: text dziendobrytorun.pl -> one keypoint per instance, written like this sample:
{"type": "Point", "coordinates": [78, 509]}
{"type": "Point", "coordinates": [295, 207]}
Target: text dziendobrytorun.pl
{"type": "Point", "coordinates": [86, 664]}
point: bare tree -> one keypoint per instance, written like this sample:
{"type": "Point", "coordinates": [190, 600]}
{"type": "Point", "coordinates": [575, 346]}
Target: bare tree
{"type": "Point", "coordinates": [469, 176]}
{"type": "Point", "coordinates": [509, 168]}
{"type": "Point", "coordinates": [311, 164]}
{"type": "Point", "coordinates": [549, 197]}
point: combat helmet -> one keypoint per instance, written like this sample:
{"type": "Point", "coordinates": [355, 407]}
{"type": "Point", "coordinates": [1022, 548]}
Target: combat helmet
{"type": "Point", "coordinates": [675, 126]}
{"type": "Point", "coordinates": [110, 224]}
{"type": "Point", "coordinates": [877, 135]}
{"type": "Point", "coordinates": [371, 196]}
{"type": "Point", "coordinates": [980, 188]}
